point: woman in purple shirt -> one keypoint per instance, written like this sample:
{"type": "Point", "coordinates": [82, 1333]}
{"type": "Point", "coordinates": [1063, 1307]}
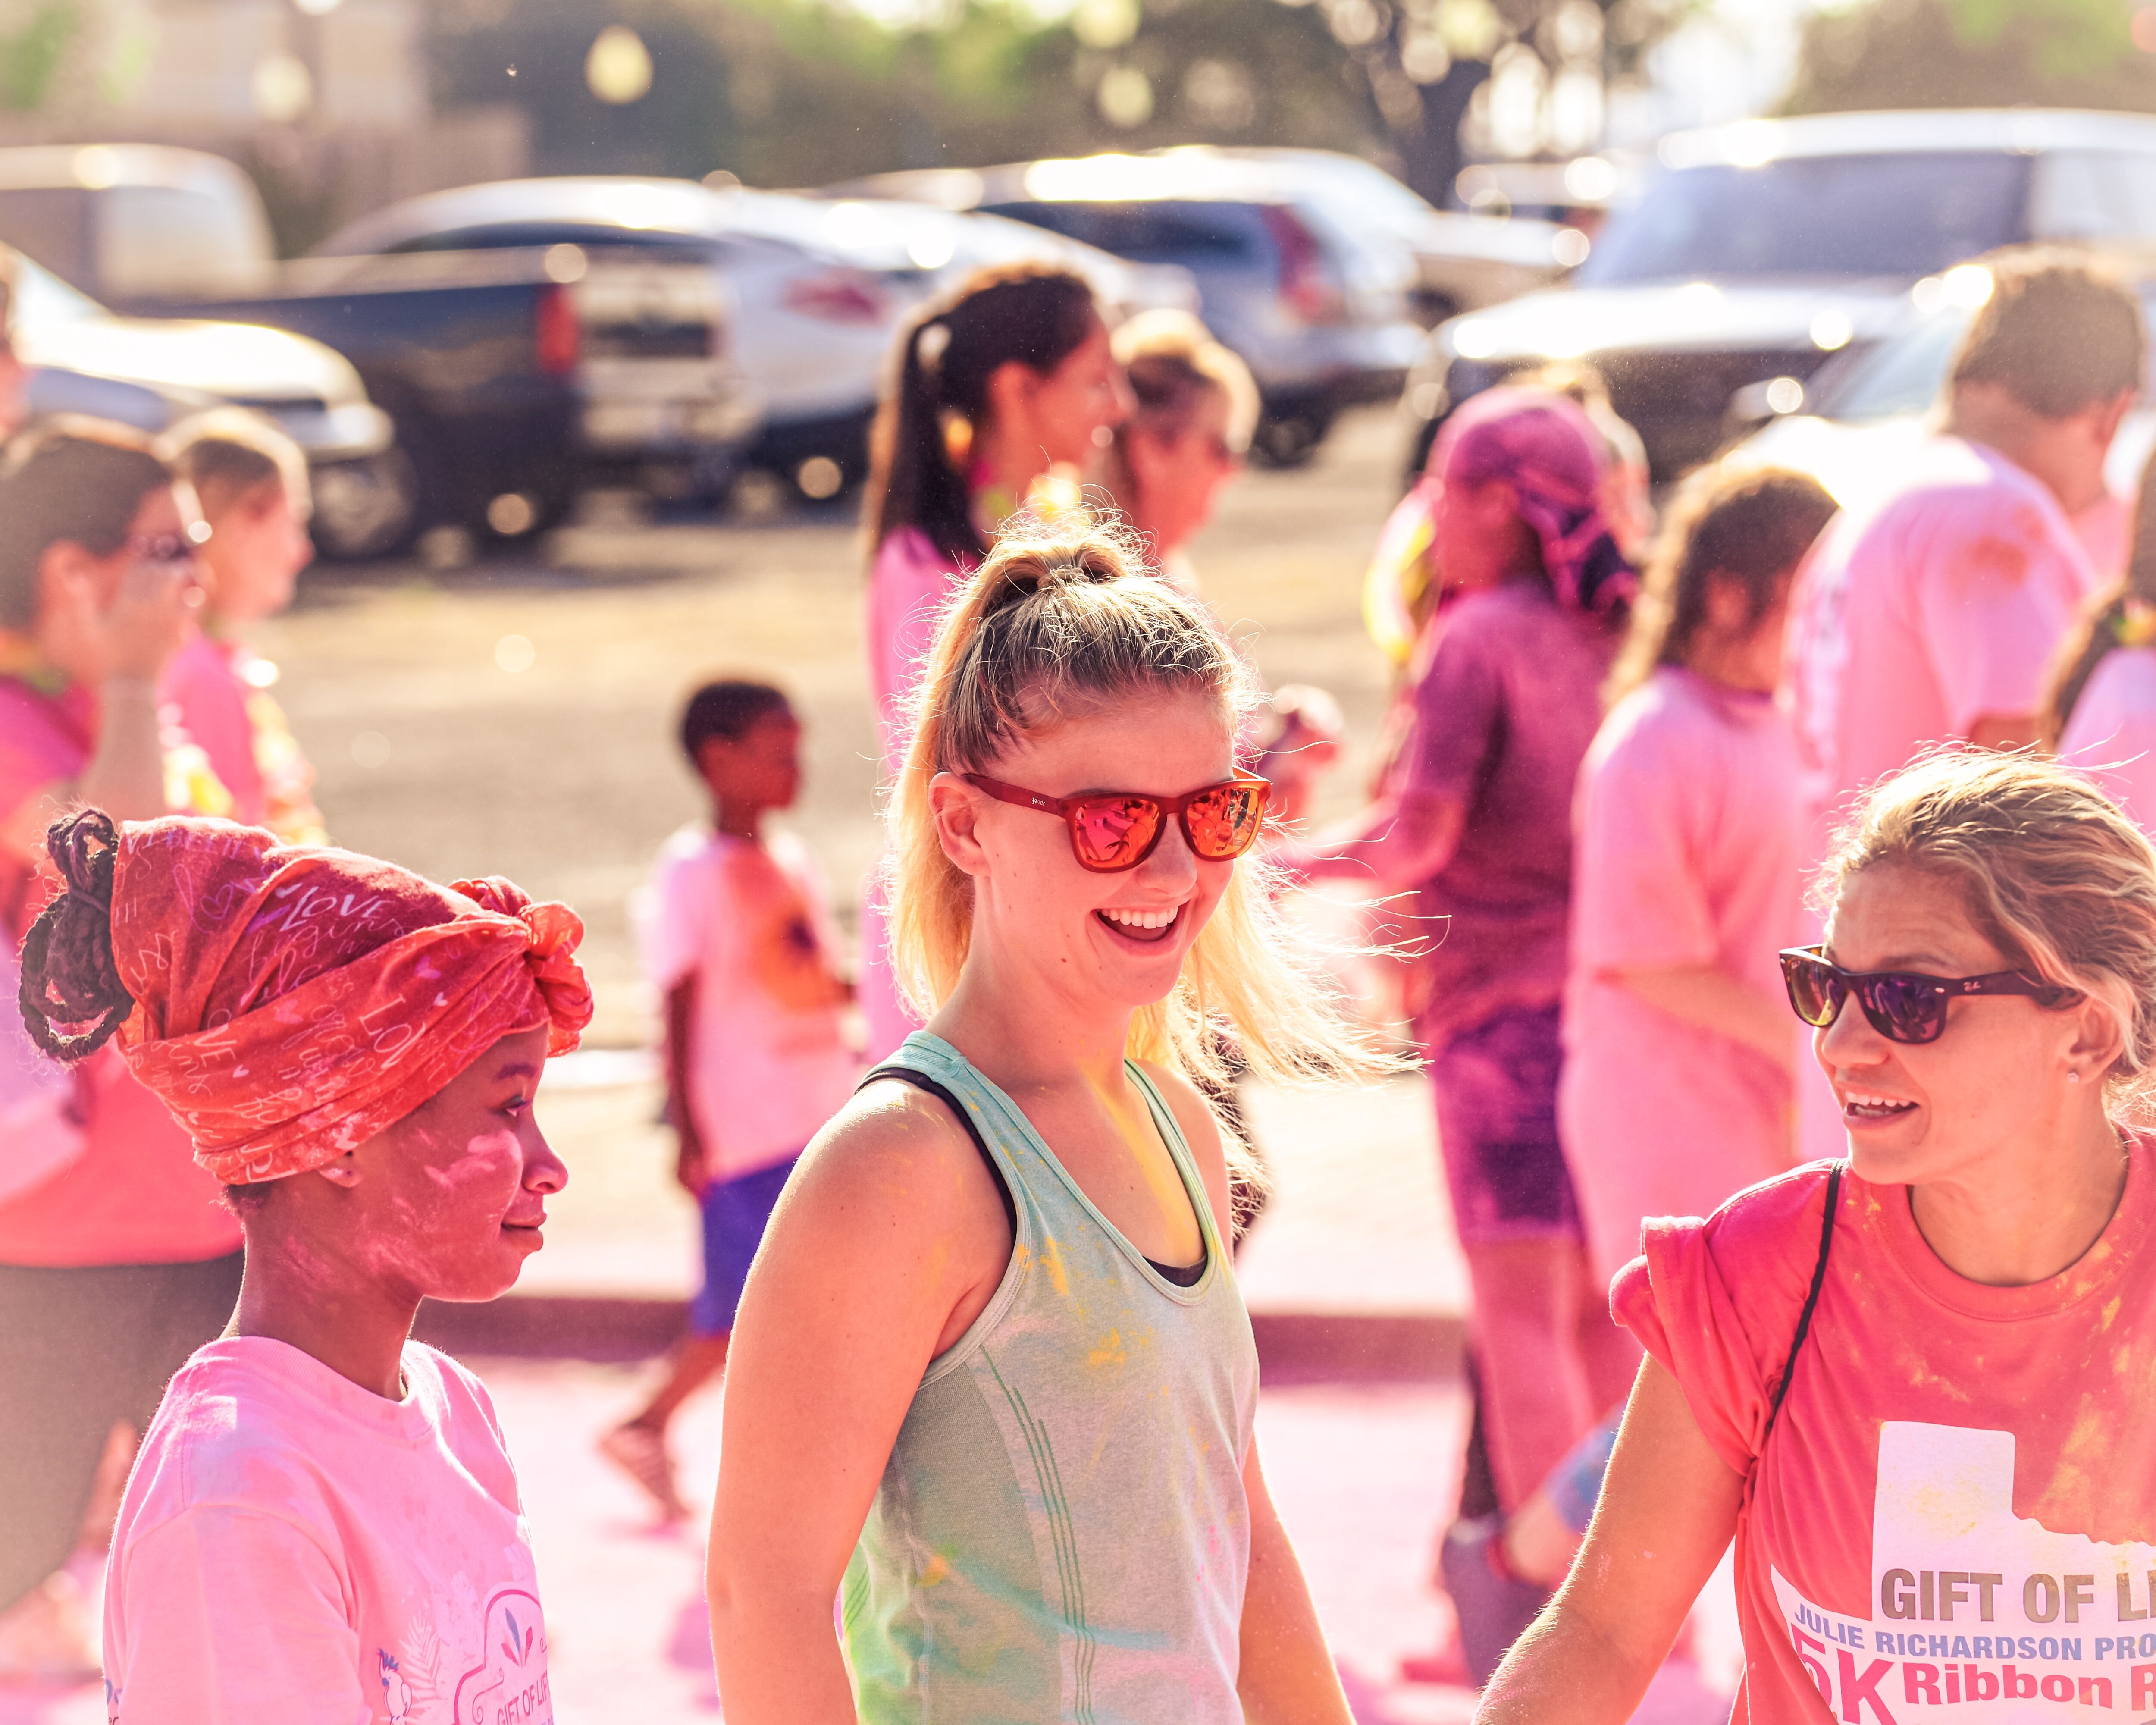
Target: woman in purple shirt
{"type": "Point", "coordinates": [1477, 824]}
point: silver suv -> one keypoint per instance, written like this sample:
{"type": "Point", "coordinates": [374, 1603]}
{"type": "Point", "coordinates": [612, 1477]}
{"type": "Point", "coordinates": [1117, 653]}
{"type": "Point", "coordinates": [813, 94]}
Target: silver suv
{"type": "Point", "coordinates": [1761, 249]}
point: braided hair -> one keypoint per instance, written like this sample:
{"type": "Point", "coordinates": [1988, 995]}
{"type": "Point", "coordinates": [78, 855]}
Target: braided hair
{"type": "Point", "coordinates": [68, 976]}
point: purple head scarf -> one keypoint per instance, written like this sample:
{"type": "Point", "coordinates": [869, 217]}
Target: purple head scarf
{"type": "Point", "coordinates": [1547, 449]}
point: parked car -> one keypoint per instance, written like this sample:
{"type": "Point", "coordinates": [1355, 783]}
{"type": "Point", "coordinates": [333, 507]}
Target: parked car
{"type": "Point", "coordinates": [1763, 249]}
{"type": "Point", "coordinates": [1463, 262]}
{"type": "Point", "coordinates": [515, 378]}
{"type": "Point", "coordinates": [1318, 305]}
{"type": "Point", "coordinates": [819, 287]}
{"type": "Point", "coordinates": [154, 372]}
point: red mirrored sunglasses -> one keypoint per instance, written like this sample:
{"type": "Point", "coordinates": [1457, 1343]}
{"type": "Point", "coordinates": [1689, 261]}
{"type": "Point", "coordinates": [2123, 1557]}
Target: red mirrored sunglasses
{"type": "Point", "coordinates": [1114, 831]}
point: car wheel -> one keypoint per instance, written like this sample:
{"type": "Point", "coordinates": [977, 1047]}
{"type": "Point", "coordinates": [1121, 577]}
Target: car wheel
{"type": "Point", "coordinates": [1288, 441]}
{"type": "Point", "coordinates": [368, 508]}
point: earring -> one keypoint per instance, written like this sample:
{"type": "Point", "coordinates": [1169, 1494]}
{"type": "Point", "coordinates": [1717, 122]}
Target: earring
{"type": "Point", "coordinates": [2073, 1078]}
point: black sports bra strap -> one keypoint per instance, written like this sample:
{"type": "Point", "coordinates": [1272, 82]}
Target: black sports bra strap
{"type": "Point", "coordinates": [1184, 1275]}
{"type": "Point", "coordinates": [1834, 1174]}
{"type": "Point", "coordinates": [922, 1082]}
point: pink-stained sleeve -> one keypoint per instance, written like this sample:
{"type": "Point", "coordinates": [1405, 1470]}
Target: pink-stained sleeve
{"type": "Point", "coordinates": [1723, 1334]}
{"type": "Point", "coordinates": [1459, 709]}
{"type": "Point", "coordinates": [1638, 901]}
{"type": "Point", "coordinates": [232, 1616]}
{"type": "Point", "coordinates": [1996, 592]}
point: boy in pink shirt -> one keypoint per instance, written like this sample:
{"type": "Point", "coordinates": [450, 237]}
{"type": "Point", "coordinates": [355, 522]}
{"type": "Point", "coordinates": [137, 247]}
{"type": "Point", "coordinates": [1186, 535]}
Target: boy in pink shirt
{"type": "Point", "coordinates": [1676, 1088]}
{"type": "Point", "coordinates": [322, 1523]}
{"type": "Point", "coordinates": [251, 482]}
{"type": "Point", "coordinates": [740, 944]}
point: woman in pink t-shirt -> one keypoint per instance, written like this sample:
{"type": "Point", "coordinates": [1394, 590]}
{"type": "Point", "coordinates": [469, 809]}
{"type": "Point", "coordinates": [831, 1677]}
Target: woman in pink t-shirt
{"type": "Point", "coordinates": [116, 1257]}
{"type": "Point", "coordinates": [1912, 1385]}
{"type": "Point", "coordinates": [1689, 823]}
{"type": "Point", "coordinates": [323, 1523]}
{"type": "Point", "coordinates": [251, 482]}
{"type": "Point", "coordinates": [1477, 824]}
{"type": "Point", "coordinates": [1008, 382]}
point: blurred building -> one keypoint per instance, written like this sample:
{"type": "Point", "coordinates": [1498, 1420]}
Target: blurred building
{"type": "Point", "coordinates": [325, 102]}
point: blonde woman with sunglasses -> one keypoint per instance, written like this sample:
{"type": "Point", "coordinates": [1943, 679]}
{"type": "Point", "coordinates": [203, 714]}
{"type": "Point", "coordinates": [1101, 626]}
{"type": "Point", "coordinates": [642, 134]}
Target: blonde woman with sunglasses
{"type": "Point", "coordinates": [992, 1382]}
{"type": "Point", "coordinates": [1913, 1385]}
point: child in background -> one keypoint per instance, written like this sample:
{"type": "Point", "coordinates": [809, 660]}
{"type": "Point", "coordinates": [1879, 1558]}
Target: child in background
{"type": "Point", "coordinates": [251, 482]}
{"type": "Point", "coordinates": [740, 945]}
{"type": "Point", "coordinates": [1676, 1089]}
{"type": "Point", "coordinates": [323, 1518]}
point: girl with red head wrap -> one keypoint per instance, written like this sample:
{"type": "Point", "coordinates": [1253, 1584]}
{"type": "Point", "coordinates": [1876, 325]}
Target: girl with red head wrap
{"type": "Point", "coordinates": [322, 1521]}
{"type": "Point", "coordinates": [1475, 822]}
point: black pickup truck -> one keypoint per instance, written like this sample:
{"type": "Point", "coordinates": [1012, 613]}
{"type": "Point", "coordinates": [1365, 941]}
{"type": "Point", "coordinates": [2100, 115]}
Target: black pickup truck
{"type": "Point", "coordinates": [515, 379]}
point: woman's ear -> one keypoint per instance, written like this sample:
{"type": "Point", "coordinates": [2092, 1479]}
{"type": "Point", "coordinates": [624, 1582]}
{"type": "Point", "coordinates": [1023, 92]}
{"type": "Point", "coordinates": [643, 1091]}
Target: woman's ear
{"type": "Point", "coordinates": [2097, 1040]}
{"type": "Point", "coordinates": [955, 806]}
{"type": "Point", "coordinates": [343, 1172]}
{"type": "Point", "coordinates": [1009, 393]}
{"type": "Point", "coordinates": [1729, 606]}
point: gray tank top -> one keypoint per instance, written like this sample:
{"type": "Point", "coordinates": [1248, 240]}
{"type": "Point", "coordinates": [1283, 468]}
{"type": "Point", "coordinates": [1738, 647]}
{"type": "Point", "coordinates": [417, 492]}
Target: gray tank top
{"type": "Point", "coordinates": [1060, 1533]}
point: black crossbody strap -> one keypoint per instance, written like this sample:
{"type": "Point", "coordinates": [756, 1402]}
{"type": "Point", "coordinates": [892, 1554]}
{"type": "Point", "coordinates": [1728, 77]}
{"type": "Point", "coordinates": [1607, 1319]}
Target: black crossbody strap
{"type": "Point", "coordinates": [1811, 1299]}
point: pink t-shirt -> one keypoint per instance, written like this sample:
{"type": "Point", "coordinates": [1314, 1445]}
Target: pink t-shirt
{"type": "Point", "coordinates": [1686, 854]}
{"type": "Point", "coordinates": [1922, 613]}
{"type": "Point", "coordinates": [1957, 1503]}
{"type": "Point", "coordinates": [134, 1195]}
{"type": "Point", "coordinates": [202, 684]}
{"type": "Point", "coordinates": [2111, 736]}
{"type": "Point", "coordinates": [293, 1546]}
{"type": "Point", "coordinates": [769, 1062]}
{"type": "Point", "coordinates": [909, 585]}
{"type": "Point", "coordinates": [217, 695]}
{"type": "Point", "coordinates": [2105, 529]}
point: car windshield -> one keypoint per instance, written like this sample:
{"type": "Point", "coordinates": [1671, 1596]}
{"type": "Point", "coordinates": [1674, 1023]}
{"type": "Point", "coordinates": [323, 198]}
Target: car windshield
{"type": "Point", "coordinates": [1897, 215]}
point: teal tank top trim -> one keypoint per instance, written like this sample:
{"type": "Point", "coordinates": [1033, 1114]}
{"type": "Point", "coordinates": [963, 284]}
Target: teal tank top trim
{"type": "Point", "coordinates": [1060, 1533]}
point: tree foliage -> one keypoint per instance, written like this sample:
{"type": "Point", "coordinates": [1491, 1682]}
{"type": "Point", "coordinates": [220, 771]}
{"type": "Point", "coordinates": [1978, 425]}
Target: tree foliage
{"type": "Point", "coordinates": [1954, 53]}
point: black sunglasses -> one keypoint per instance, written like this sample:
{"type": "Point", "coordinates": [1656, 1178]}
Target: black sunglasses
{"type": "Point", "coordinates": [1901, 1005]}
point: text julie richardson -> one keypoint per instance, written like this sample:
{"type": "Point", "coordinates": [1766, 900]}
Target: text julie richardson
{"type": "Point", "coordinates": [1974, 1607]}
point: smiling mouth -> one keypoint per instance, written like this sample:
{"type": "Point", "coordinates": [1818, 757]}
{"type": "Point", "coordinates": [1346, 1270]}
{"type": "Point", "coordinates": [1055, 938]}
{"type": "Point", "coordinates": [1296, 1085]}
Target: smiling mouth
{"type": "Point", "coordinates": [1859, 1109]}
{"type": "Point", "coordinates": [1147, 928]}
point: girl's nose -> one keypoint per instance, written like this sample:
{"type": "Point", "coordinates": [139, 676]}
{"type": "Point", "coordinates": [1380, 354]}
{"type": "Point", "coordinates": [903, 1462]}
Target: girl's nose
{"type": "Point", "coordinates": [543, 1170]}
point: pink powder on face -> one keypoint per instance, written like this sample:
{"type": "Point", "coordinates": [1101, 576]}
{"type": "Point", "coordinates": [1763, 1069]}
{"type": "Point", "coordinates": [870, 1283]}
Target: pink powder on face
{"type": "Point", "coordinates": [437, 1187]}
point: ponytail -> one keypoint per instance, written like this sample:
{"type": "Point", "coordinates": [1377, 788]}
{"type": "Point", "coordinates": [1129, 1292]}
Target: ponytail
{"type": "Point", "coordinates": [928, 422]}
{"type": "Point", "coordinates": [68, 976]}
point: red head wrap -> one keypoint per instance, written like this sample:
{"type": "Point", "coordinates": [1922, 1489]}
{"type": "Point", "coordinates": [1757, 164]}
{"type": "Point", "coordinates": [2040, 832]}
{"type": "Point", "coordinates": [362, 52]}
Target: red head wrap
{"type": "Point", "coordinates": [1545, 446]}
{"type": "Point", "coordinates": [294, 1000]}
